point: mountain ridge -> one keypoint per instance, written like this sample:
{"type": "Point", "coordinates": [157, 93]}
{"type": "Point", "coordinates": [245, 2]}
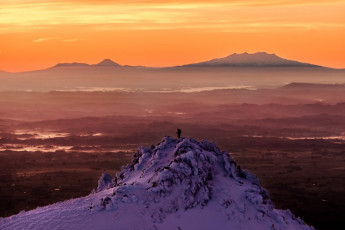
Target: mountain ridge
{"type": "Point", "coordinates": [245, 60]}
{"type": "Point", "coordinates": [234, 60]}
{"type": "Point", "coordinates": [301, 85]}
{"type": "Point", "coordinates": [259, 59]}
{"type": "Point", "coordinates": [104, 63]}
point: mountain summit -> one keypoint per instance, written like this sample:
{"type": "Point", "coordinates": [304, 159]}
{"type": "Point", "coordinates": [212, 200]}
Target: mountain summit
{"type": "Point", "coordinates": [107, 62]}
{"type": "Point", "coordinates": [178, 184]}
{"type": "Point", "coordinates": [260, 59]}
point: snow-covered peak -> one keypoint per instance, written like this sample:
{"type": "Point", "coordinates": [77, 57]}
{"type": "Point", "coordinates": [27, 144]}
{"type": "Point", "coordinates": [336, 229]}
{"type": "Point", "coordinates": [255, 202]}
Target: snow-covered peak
{"type": "Point", "coordinates": [185, 165]}
{"type": "Point", "coordinates": [177, 184]}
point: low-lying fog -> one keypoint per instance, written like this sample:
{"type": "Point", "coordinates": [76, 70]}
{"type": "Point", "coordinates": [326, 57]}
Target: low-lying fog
{"type": "Point", "coordinates": [70, 78]}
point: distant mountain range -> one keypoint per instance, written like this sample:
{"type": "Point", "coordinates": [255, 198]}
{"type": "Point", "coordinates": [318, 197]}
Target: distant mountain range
{"type": "Point", "coordinates": [310, 86]}
{"type": "Point", "coordinates": [260, 59]}
{"type": "Point", "coordinates": [104, 63]}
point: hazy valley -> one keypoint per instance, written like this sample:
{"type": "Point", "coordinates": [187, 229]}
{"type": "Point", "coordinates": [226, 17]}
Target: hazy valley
{"type": "Point", "coordinates": [62, 127]}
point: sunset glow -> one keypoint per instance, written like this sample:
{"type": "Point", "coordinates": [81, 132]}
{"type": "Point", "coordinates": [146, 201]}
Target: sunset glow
{"type": "Point", "coordinates": [37, 34]}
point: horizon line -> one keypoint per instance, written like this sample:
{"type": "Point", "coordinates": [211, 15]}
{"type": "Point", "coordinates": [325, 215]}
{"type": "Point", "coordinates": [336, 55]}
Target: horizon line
{"type": "Point", "coordinates": [161, 67]}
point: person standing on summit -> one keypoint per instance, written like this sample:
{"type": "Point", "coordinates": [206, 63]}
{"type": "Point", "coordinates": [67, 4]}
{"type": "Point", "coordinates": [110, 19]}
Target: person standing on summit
{"type": "Point", "coordinates": [179, 133]}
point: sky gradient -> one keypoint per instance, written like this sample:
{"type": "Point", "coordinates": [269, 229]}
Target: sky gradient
{"type": "Point", "coordinates": [36, 34]}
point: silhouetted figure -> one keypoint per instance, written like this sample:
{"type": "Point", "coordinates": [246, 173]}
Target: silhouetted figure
{"type": "Point", "coordinates": [179, 133]}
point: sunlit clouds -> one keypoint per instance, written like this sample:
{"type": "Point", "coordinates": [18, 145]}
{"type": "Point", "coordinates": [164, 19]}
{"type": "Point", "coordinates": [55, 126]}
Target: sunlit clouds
{"type": "Point", "coordinates": [58, 39]}
{"type": "Point", "coordinates": [233, 15]}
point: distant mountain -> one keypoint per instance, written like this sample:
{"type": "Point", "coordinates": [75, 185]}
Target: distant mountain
{"type": "Point", "coordinates": [315, 86]}
{"type": "Point", "coordinates": [260, 59]}
{"type": "Point", "coordinates": [104, 63]}
{"type": "Point", "coordinates": [73, 64]}
{"type": "Point", "coordinates": [178, 184]}
{"type": "Point", "coordinates": [107, 62]}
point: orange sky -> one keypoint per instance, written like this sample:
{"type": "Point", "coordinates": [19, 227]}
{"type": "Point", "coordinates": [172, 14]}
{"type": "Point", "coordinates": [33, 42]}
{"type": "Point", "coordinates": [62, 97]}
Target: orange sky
{"type": "Point", "coordinates": [36, 34]}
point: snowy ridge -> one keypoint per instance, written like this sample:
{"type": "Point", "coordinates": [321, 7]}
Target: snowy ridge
{"type": "Point", "coordinates": [178, 184]}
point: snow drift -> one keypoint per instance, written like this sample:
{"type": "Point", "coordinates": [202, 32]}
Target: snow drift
{"type": "Point", "coordinates": [178, 184]}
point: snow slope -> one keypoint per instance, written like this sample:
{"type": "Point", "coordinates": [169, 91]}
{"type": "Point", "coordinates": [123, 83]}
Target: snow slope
{"type": "Point", "coordinates": [178, 184]}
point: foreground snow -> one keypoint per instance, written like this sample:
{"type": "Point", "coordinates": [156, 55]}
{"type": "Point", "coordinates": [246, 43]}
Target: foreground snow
{"type": "Point", "coordinates": [178, 184]}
